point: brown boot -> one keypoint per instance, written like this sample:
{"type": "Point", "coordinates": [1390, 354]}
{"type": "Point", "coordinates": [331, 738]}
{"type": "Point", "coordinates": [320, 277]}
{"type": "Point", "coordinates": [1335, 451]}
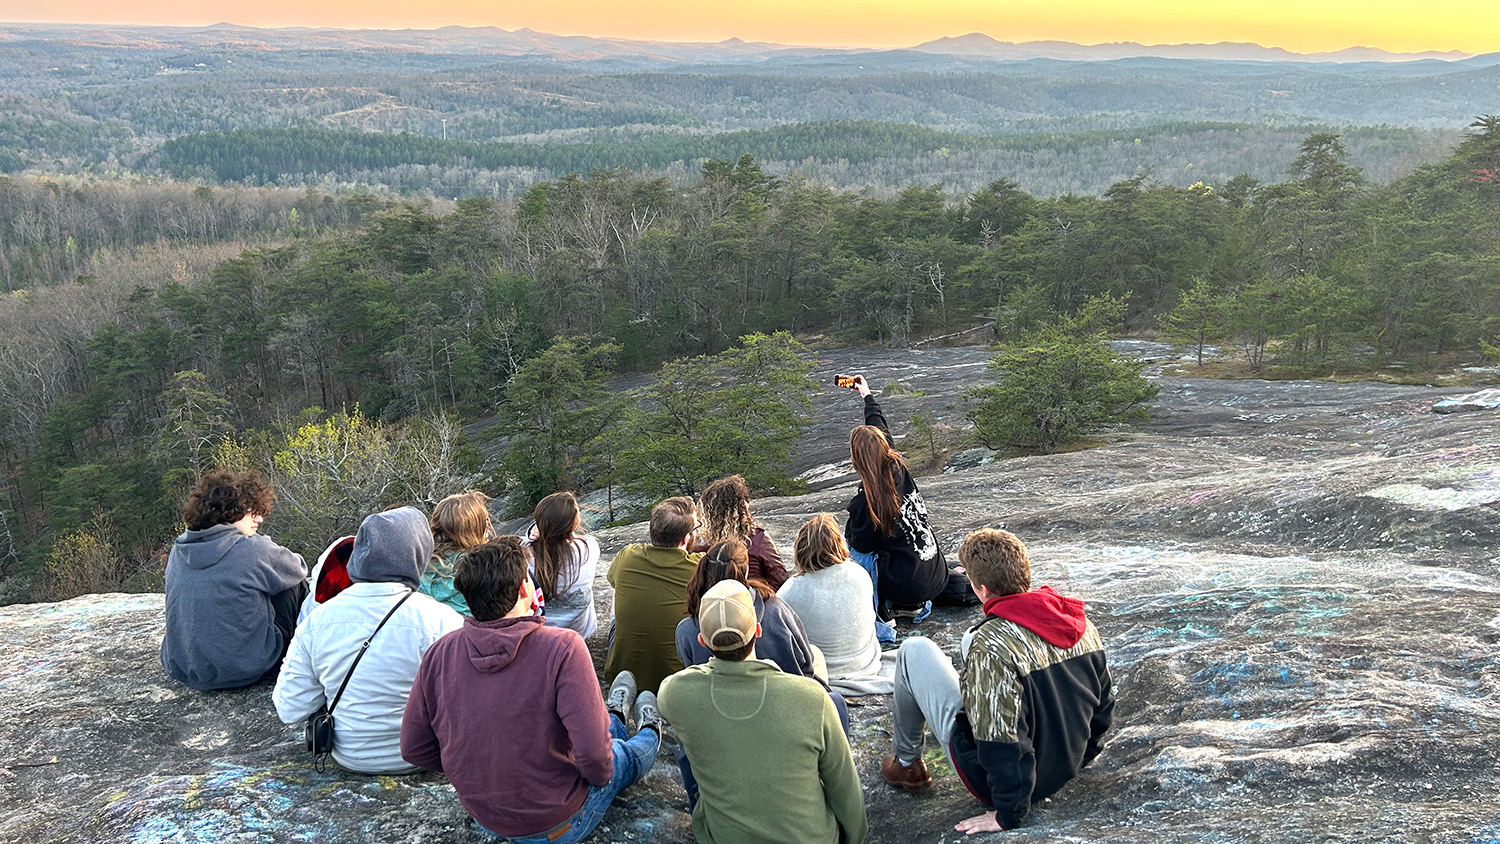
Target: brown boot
{"type": "Point", "coordinates": [913, 777]}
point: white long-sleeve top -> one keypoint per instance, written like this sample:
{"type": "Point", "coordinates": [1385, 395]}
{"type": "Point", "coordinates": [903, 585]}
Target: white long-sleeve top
{"type": "Point", "coordinates": [574, 608]}
{"type": "Point", "coordinates": [367, 722]}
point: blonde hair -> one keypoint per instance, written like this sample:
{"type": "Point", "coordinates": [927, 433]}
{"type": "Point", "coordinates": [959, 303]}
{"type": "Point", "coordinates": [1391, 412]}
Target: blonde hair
{"type": "Point", "coordinates": [460, 522]}
{"type": "Point", "coordinates": [820, 544]}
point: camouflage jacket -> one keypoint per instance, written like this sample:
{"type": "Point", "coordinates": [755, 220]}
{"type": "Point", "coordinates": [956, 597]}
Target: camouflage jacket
{"type": "Point", "coordinates": [1034, 714]}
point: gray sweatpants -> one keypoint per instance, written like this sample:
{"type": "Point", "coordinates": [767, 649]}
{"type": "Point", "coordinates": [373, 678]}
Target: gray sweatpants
{"type": "Point", "coordinates": [926, 692]}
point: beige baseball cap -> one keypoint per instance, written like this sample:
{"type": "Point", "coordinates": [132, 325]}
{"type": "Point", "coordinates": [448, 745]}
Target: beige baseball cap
{"type": "Point", "coordinates": [727, 608]}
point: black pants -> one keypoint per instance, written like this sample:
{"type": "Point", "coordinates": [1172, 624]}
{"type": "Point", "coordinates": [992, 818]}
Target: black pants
{"type": "Point", "coordinates": [286, 605]}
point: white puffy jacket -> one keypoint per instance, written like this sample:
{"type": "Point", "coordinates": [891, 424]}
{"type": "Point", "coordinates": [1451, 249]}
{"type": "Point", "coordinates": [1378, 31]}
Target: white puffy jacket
{"type": "Point", "coordinates": [367, 722]}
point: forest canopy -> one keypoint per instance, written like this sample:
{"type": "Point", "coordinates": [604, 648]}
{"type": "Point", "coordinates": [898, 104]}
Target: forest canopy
{"type": "Point", "coordinates": [118, 387]}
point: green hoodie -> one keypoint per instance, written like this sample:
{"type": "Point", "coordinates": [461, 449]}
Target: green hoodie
{"type": "Point", "coordinates": [770, 757]}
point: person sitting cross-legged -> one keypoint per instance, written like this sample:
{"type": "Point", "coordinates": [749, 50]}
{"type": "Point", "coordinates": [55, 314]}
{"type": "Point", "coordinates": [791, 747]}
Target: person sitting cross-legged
{"type": "Point", "coordinates": [770, 758]}
{"type": "Point", "coordinates": [650, 583]}
{"type": "Point", "coordinates": [510, 710]}
{"type": "Point", "coordinates": [1032, 705]}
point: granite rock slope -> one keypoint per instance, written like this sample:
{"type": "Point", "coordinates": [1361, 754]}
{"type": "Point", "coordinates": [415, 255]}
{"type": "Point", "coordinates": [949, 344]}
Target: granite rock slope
{"type": "Point", "coordinates": [1298, 583]}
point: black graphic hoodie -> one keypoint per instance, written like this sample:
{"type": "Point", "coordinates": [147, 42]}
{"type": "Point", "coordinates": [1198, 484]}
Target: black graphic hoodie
{"type": "Point", "coordinates": [910, 562]}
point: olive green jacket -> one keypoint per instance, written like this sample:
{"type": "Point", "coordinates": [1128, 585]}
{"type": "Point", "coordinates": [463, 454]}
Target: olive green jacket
{"type": "Point", "coordinates": [770, 757]}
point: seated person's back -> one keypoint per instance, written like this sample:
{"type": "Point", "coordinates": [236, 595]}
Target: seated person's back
{"type": "Point", "coordinates": [391, 550]}
{"type": "Point", "coordinates": [563, 563]}
{"type": "Point", "coordinates": [770, 758]}
{"type": "Point", "coordinates": [650, 583]}
{"type": "Point", "coordinates": [232, 594]}
{"type": "Point", "coordinates": [832, 598]}
{"type": "Point", "coordinates": [510, 710]}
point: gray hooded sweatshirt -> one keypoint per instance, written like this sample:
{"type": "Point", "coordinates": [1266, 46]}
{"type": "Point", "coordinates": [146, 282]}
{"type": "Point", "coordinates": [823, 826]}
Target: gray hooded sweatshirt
{"type": "Point", "coordinates": [392, 547]}
{"type": "Point", "coordinates": [221, 627]}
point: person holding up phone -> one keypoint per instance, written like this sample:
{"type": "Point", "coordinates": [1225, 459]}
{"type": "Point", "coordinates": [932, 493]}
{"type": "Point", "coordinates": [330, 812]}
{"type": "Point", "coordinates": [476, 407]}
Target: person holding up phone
{"type": "Point", "coordinates": [888, 531]}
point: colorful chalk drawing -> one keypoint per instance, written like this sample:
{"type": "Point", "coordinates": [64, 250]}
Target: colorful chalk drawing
{"type": "Point", "coordinates": [287, 802]}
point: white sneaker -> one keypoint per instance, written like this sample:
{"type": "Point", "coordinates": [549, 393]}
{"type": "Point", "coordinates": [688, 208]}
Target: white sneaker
{"type": "Point", "coordinates": [622, 695]}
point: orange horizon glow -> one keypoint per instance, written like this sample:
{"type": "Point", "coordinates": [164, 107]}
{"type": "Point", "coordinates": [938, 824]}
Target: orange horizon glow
{"type": "Point", "coordinates": [1469, 26]}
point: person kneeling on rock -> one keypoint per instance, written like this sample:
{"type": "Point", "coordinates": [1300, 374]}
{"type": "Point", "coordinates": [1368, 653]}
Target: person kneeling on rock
{"type": "Point", "coordinates": [510, 710]}
{"type": "Point", "coordinates": [1034, 700]}
{"type": "Point", "coordinates": [888, 531]}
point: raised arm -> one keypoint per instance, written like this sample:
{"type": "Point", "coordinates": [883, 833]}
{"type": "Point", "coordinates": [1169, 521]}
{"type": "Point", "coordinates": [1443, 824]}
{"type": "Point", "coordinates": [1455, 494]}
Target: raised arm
{"type": "Point", "coordinates": [873, 414]}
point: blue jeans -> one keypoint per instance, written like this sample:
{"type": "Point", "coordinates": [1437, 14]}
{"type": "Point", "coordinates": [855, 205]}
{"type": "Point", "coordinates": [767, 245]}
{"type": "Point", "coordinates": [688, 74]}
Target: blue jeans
{"type": "Point", "coordinates": [634, 756]}
{"type": "Point", "coordinates": [690, 784]}
{"type": "Point", "coordinates": [885, 633]}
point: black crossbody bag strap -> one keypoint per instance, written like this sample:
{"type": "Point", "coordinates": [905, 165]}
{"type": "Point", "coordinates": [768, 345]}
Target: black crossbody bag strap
{"type": "Point", "coordinates": [363, 648]}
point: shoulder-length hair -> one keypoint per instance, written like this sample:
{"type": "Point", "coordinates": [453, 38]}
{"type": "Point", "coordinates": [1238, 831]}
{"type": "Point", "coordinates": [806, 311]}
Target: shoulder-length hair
{"type": "Point", "coordinates": [820, 544]}
{"type": "Point", "coordinates": [726, 510]}
{"type": "Point", "coordinates": [461, 522]}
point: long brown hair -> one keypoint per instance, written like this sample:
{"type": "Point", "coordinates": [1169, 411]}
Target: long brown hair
{"type": "Point", "coordinates": [556, 519]}
{"type": "Point", "coordinates": [819, 545]}
{"type": "Point", "coordinates": [877, 463]}
{"type": "Point", "coordinates": [726, 510]}
{"type": "Point", "coordinates": [727, 560]}
{"type": "Point", "coordinates": [459, 522]}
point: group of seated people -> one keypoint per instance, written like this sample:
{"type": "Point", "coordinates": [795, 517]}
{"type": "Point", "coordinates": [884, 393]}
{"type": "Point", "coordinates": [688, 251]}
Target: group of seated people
{"type": "Point", "coordinates": [432, 643]}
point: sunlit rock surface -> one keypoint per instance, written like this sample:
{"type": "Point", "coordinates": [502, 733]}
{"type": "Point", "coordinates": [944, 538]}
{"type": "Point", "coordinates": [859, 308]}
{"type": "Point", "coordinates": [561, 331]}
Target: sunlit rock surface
{"type": "Point", "coordinates": [1482, 400]}
{"type": "Point", "coordinates": [1299, 586]}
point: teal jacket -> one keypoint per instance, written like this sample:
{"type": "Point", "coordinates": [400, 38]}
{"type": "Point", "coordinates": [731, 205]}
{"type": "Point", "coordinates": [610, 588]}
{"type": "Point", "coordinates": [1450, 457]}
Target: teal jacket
{"type": "Point", "coordinates": [437, 583]}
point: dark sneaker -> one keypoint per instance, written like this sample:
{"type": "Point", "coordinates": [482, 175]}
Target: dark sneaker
{"type": "Point", "coordinates": [646, 713]}
{"type": "Point", "coordinates": [913, 777]}
{"type": "Point", "coordinates": [916, 615]}
{"type": "Point", "coordinates": [621, 695]}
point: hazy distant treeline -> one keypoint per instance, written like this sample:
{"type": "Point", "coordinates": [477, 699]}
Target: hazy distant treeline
{"type": "Point", "coordinates": [55, 228]}
{"type": "Point", "coordinates": [849, 154]}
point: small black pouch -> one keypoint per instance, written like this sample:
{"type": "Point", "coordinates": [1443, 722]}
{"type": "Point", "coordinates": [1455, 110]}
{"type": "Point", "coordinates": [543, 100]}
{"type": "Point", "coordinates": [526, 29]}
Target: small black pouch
{"type": "Point", "coordinates": [318, 732]}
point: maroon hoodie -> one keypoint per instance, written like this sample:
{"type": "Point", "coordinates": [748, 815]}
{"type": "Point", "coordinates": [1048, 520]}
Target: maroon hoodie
{"type": "Point", "coordinates": [510, 710]}
{"type": "Point", "coordinates": [1057, 619]}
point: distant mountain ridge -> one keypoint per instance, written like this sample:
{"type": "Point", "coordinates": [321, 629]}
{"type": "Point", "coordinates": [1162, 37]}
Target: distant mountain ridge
{"type": "Point", "coordinates": [527, 43]}
{"type": "Point", "coordinates": [979, 44]}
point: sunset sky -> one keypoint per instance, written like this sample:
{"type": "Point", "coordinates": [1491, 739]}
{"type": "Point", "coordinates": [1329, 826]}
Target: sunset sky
{"type": "Point", "coordinates": [1471, 26]}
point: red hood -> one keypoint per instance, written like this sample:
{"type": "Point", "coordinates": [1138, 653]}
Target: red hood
{"type": "Point", "coordinates": [1057, 619]}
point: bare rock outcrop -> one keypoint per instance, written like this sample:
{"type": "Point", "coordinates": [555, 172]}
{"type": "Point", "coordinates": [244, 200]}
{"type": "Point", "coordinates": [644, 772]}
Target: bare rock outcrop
{"type": "Point", "coordinates": [1298, 583]}
{"type": "Point", "coordinates": [1482, 400]}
